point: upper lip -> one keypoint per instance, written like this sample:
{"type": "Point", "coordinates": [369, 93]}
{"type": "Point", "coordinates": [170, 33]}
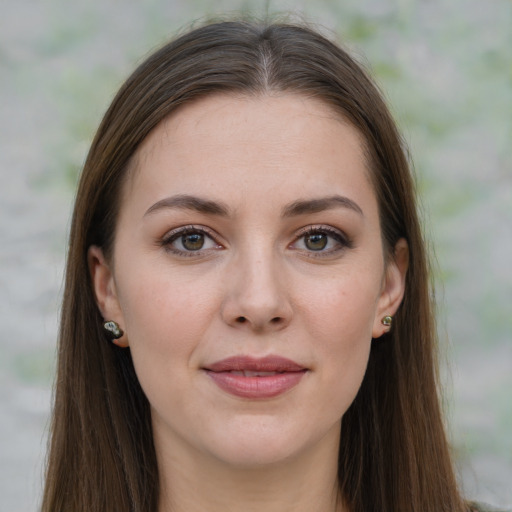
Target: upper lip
{"type": "Point", "coordinates": [270, 363]}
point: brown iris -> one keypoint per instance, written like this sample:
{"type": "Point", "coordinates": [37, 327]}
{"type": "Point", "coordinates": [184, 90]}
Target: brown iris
{"type": "Point", "coordinates": [316, 241]}
{"type": "Point", "coordinates": [193, 241]}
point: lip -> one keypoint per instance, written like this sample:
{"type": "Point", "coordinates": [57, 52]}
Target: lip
{"type": "Point", "coordinates": [278, 375]}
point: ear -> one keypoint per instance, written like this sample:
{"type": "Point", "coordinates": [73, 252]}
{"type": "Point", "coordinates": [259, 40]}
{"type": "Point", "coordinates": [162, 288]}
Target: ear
{"type": "Point", "coordinates": [105, 290]}
{"type": "Point", "coordinates": [393, 287]}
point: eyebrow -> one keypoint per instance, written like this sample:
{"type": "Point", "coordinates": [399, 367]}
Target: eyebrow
{"type": "Point", "coordinates": [209, 207]}
{"type": "Point", "coordinates": [187, 202]}
{"type": "Point", "coordinates": [306, 206]}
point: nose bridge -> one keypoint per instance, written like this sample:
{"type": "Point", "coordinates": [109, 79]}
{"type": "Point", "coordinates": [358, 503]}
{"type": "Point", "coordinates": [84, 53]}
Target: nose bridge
{"type": "Point", "coordinates": [256, 293]}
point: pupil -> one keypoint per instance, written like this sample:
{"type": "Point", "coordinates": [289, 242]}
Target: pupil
{"type": "Point", "coordinates": [316, 242]}
{"type": "Point", "coordinates": [193, 241]}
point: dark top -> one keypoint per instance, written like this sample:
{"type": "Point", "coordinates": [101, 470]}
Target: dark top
{"type": "Point", "coordinates": [483, 507]}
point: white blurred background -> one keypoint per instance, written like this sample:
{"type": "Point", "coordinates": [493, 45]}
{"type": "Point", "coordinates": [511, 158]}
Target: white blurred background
{"type": "Point", "coordinates": [445, 67]}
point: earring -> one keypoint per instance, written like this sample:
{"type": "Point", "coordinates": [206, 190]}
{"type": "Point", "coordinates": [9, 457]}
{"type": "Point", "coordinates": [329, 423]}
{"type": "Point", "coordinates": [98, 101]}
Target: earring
{"type": "Point", "coordinates": [113, 328]}
{"type": "Point", "coordinates": [387, 321]}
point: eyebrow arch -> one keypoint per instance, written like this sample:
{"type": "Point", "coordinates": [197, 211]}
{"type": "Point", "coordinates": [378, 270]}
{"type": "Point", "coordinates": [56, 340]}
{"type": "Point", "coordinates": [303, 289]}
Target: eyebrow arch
{"type": "Point", "coordinates": [188, 202]}
{"type": "Point", "coordinates": [306, 206]}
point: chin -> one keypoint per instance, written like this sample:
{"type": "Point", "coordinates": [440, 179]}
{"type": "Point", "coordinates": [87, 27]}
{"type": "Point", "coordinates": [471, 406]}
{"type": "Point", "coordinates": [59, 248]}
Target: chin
{"type": "Point", "coordinates": [263, 444]}
{"type": "Point", "coordinates": [253, 456]}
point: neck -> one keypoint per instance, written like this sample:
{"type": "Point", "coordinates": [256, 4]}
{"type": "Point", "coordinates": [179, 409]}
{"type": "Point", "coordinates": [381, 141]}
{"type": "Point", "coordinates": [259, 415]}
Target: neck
{"type": "Point", "coordinates": [194, 482]}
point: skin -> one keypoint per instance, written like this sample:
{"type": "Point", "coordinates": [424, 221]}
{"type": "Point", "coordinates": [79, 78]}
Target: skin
{"type": "Point", "coordinates": [258, 286]}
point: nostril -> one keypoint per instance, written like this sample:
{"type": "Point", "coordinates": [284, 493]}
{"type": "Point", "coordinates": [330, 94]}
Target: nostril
{"type": "Point", "coordinates": [275, 321]}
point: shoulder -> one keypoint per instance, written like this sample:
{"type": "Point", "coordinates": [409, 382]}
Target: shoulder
{"type": "Point", "coordinates": [483, 507]}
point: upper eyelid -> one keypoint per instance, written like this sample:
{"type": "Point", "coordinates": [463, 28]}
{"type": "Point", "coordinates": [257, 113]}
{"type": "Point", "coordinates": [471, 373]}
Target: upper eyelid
{"type": "Point", "coordinates": [301, 232]}
{"type": "Point", "coordinates": [189, 229]}
{"type": "Point", "coordinates": [322, 228]}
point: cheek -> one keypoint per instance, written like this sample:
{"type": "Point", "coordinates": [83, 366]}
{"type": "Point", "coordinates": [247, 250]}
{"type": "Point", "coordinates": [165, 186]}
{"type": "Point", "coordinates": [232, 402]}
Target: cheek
{"type": "Point", "coordinates": [156, 298]}
{"type": "Point", "coordinates": [340, 320]}
{"type": "Point", "coordinates": [343, 309]}
{"type": "Point", "coordinates": [165, 322]}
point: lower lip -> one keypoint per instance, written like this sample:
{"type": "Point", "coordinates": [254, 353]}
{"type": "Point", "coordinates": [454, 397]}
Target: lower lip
{"type": "Point", "coordinates": [256, 387]}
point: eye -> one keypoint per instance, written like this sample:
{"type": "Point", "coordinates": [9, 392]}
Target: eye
{"type": "Point", "coordinates": [189, 240]}
{"type": "Point", "coordinates": [192, 241]}
{"type": "Point", "coordinates": [323, 240]}
{"type": "Point", "coordinates": [316, 241]}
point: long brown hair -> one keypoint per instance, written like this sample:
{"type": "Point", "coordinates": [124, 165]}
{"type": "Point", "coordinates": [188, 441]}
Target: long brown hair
{"type": "Point", "coordinates": [393, 455]}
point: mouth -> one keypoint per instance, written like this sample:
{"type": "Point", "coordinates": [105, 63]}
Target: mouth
{"type": "Point", "coordinates": [249, 373]}
{"type": "Point", "coordinates": [256, 378]}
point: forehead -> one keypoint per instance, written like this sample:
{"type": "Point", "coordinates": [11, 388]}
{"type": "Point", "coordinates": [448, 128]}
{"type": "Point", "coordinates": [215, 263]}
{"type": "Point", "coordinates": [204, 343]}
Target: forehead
{"type": "Point", "coordinates": [252, 142]}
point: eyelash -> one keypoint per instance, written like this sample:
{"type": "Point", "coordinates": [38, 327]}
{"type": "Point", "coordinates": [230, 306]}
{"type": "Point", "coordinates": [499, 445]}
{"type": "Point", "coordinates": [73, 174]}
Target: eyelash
{"type": "Point", "coordinates": [341, 239]}
{"type": "Point", "coordinates": [175, 234]}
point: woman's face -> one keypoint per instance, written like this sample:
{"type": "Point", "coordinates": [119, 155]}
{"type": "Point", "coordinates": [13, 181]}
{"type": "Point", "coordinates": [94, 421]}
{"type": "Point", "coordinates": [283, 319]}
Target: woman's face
{"type": "Point", "coordinates": [249, 277]}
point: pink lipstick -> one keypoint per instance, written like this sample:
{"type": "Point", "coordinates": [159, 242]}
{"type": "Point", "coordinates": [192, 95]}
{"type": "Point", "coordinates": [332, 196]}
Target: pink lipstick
{"type": "Point", "coordinates": [250, 377]}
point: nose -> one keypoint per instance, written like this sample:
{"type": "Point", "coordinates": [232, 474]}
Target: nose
{"type": "Point", "coordinates": [257, 295]}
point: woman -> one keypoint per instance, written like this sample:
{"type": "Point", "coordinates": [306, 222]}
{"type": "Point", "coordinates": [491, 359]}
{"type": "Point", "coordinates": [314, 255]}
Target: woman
{"type": "Point", "coordinates": [247, 321]}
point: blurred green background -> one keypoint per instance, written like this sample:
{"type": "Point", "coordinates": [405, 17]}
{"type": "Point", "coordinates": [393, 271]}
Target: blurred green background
{"type": "Point", "coordinates": [445, 67]}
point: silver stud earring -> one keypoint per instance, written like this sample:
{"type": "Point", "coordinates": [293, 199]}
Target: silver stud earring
{"type": "Point", "coordinates": [113, 328]}
{"type": "Point", "coordinates": [387, 321]}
